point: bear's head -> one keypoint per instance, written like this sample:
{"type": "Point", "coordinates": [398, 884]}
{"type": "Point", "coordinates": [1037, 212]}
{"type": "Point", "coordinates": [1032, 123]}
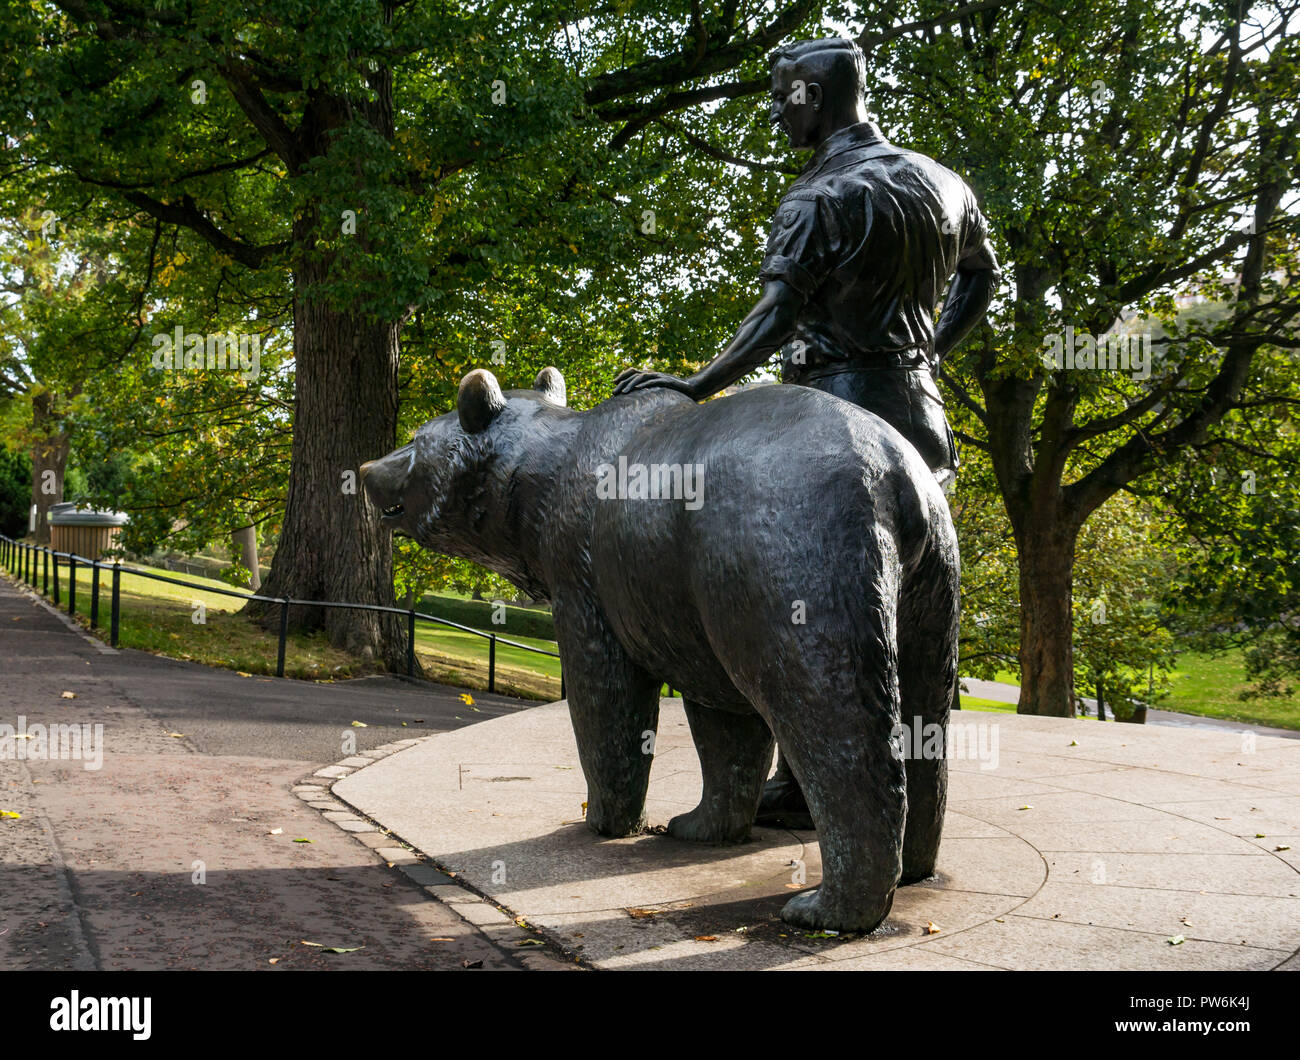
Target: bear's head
{"type": "Point", "coordinates": [465, 484]}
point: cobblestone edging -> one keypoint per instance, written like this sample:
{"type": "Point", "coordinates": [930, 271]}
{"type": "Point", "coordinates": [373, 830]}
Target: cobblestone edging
{"type": "Point", "coordinates": [529, 948]}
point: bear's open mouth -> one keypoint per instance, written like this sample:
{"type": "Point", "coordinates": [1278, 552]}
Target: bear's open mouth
{"type": "Point", "coordinates": [393, 512]}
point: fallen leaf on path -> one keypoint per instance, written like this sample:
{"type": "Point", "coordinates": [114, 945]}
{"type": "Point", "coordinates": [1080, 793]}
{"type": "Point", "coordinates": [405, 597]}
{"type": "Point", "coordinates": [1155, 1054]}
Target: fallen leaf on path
{"type": "Point", "coordinates": [442, 940]}
{"type": "Point", "coordinates": [343, 949]}
{"type": "Point", "coordinates": [1282, 848]}
{"type": "Point", "coordinates": [931, 928]}
{"type": "Point", "coordinates": [176, 735]}
{"type": "Point", "coordinates": [706, 938]}
{"type": "Point", "coordinates": [531, 942]}
{"type": "Point", "coordinates": [276, 831]}
{"type": "Point", "coordinates": [471, 964]}
{"type": "Point", "coordinates": [67, 695]}
{"type": "Point", "coordinates": [242, 674]}
{"type": "Point", "coordinates": [643, 914]}
{"type": "Point", "coordinates": [1177, 940]}
{"type": "Point", "coordinates": [274, 960]}
{"type": "Point", "coordinates": [1026, 807]}
{"type": "Point", "coordinates": [304, 840]}
{"type": "Point", "coordinates": [360, 725]}
{"type": "Point", "coordinates": [10, 814]}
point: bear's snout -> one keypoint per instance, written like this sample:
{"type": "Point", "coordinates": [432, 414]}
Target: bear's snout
{"type": "Point", "coordinates": [384, 481]}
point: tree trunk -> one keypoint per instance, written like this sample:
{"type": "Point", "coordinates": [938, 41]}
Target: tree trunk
{"type": "Point", "coordinates": [50, 454]}
{"type": "Point", "coordinates": [244, 541]}
{"type": "Point", "coordinates": [345, 412]}
{"type": "Point", "coordinates": [1046, 556]}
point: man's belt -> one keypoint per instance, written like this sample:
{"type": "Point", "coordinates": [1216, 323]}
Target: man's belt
{"type": "Point", "coordinates": [909, 358]}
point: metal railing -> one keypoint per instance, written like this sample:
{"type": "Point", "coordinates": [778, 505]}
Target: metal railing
{"type": "Point", "coordinates": [31, 564]}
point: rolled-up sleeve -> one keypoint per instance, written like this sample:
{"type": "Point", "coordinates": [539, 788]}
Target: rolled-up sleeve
{"type": "Point", "coordinates": [805, 242]}
{"type": "Point", "coordinates": [977, 252]}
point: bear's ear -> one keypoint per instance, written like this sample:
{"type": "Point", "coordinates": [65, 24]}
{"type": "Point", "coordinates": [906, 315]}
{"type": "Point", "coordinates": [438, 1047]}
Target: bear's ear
{"type": "Point", "coordinates": [479, 400]}
{"type": "Point", "coordinates": [550, 384]}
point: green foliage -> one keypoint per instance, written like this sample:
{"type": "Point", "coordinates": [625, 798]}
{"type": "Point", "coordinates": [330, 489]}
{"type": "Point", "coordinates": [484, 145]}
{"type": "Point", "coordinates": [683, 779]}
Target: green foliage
{"type": "Point", "coordinates": [1238, 539]}
{"type": "Point", "coordinates": [514, 234]}
{"type": "Point", "coordinates": [1119, 641]}
{"type": "Point", "coordinates": [15, 492]}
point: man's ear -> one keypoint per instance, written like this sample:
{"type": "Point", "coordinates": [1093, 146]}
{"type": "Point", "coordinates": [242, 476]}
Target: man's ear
{"type": "Point", "coordinates": [550, 384]}
{"type": "Point", "coordinates": [814, 95]}
{"type": "Point", "coordinates": [479, 400]}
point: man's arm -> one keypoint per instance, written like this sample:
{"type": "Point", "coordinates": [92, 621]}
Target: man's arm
{"type": "Point", "coordinates": [969, 295]}
{"type": "Point", "coordinates": [767, 328]}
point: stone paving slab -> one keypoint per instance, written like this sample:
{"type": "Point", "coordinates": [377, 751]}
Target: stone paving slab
{"type": "Point", "coordinates": [1068, 844]}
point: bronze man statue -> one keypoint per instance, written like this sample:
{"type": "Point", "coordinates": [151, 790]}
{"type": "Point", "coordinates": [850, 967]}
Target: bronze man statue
{"type": "Point", "coordinates": [861, 247]}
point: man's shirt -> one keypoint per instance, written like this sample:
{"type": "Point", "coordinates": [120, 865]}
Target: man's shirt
{"type": "Point", "coordinates": [870, 234]}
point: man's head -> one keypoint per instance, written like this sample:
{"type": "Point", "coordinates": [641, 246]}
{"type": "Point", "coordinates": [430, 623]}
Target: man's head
{"type": "Point", "coordinates": [818, 88]}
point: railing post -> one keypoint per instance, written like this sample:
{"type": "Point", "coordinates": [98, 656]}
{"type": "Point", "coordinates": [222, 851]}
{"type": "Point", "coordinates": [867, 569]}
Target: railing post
{"type": "Point", "coordinates": [410, 643]}
{"type": "Point", "coordinates": [492, 663]}
{"type": "Point", "coordinates": [562, 695]}
{"type": "Point", "coordinates": [115, 619]}
{"type": "Point", "coordinates": [72, 583]}
{"type": "Point", "coordinates": [284, 632]}
{"type": "Point", "coordinates": [94, 593]}
{"type": "Point", "coordinates": [46, 566]}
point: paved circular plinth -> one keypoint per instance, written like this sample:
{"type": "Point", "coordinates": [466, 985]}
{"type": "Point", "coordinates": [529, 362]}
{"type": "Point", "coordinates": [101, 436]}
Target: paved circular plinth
{"type": "Point", "coordinates": [1067, 844]}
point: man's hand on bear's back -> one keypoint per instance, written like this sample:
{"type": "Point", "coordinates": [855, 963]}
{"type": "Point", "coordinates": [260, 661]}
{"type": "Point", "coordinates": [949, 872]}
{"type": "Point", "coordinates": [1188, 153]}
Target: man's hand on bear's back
{"type": "Point", "coordinates": [634, 379]}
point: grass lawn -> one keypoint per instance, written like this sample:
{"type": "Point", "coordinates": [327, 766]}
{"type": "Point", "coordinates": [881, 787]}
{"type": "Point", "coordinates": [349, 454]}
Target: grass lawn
{"type": "Point", "coordinates": [990, 705]}
{"type": "Point", "coordinates": [1209, 686]}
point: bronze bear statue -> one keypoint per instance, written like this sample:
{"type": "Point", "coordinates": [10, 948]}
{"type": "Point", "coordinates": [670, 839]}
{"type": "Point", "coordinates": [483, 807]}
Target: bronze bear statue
{"type": "Point", "coordinates": [781, 556]}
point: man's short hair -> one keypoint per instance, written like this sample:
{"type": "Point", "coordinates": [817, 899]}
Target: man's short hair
{"type": "Point", "coordinates": [836, 59]}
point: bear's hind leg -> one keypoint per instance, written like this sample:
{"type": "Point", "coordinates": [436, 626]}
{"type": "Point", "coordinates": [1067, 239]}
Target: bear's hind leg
{"type": "Point", "coordinates": [855, 787]}
{"type": "Point", "coordinates": [928, 620]}
{"type": "Point", "coordinates": [829, 689]}
{"type": "Point", "coordinates": [735, 752]}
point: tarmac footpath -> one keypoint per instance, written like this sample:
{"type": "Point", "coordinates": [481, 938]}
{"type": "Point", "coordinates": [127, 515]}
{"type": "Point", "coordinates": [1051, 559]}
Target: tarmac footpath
{"type": "Point", "coordinates": [170, 837]}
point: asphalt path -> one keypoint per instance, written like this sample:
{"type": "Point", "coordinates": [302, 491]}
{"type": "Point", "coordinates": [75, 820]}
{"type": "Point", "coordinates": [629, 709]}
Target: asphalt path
{"type": "Point", "coordinates": [176, 849]}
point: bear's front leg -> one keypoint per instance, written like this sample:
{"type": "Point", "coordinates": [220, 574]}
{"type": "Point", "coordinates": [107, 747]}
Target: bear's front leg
{"type": "Point", "coordinates": [614, 707]}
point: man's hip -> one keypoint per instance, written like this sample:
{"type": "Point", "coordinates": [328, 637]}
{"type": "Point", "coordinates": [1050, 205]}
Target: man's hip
{"type": "Point", "coordinates": [905, 398]}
